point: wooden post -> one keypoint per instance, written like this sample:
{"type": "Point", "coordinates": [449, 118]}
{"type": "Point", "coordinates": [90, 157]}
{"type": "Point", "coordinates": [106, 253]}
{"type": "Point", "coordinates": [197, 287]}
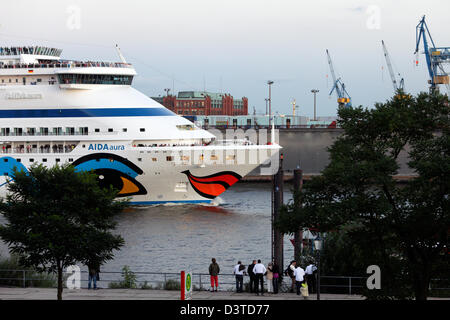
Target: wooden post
{"type": "Point", "coordinates": [298, 236]}
{"type": "Point", "coordinates": [277, 201]}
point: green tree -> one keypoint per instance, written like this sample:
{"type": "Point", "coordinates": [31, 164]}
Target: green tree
{"type": "Point", "coordinates": [57, 217]}
{"type": "Point", "coordinates": [403, 228]}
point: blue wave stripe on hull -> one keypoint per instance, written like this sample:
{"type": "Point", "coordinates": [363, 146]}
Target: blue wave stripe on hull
{"type": "Point", "coordinates": [83, 113]}
{"type": "Point", "coordinates": [146, 203]}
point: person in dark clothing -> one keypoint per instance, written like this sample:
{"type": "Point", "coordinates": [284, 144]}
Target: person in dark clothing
{"type": "Point", "coordinates": [276, 277]}
{"type": "Point", "coordinates": [259, 270]}
{"type": "Point", "coordinates": [252, 276]}
{"type": "Point", "coordinates": [94, 271]}
{"type": "Point", "coordinates": [214, 271]}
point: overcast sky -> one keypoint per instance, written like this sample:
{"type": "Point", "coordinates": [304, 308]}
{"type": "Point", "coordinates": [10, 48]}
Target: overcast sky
{"type": "Point", "coordinates": [235, 46]}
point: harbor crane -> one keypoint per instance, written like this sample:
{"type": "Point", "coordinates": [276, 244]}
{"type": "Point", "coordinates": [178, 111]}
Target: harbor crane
{"type": "Point", "coordinates": [344, 99]}
{"type": "Point", "coordinates": [399, 86]}
{"type": "Point", "coordinates": [435, 57]}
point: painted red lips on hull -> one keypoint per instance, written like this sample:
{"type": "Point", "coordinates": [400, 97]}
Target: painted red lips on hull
{"type": "Point", "coordinates": [213, 185]}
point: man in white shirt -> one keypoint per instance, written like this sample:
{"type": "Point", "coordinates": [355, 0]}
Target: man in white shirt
{"type": "Point", "coordinates": [311, 277]}
{"type": "Point", "coordinates": [239, 273]}
{"type": "Point", "coordinates": [259, 270]}
{"type": "Point", "coordinates": [299, 274]}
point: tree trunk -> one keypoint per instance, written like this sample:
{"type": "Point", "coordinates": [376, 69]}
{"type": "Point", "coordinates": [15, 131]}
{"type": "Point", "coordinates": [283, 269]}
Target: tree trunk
{"type": "Point", "coordinates": [421, 284]}
{"type": "Point", "coordinates": [60, 281]}
{"type": "Point", "coordinates": [420, 269]}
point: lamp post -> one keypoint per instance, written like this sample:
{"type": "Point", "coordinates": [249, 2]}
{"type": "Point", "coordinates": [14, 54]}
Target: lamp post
{"type": "Point", "coordinates": [314, 91]}
{"type": "Point", "coordinates": [167, 91]}
{"type": "Point", "coordinates": [318, 247]}
{"type": "Point", "coordinates": [267, 111]}
{"type": "Point", "coordinates": [270, 82]}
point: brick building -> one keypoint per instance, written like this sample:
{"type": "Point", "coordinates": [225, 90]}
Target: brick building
{"type": "Point", "coordinates": [205, 103]}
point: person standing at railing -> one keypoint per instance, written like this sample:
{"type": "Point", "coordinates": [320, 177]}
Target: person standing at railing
{"type": "Point", "coordinates": [259, 270]}
{"type": "Point", "coordinates": [94, 273]}
{"type": "Point", "coordinates": [239, 271]}
{"type": "Point", "coordinates": [276, 277]}
{"type": "Point", "coordinates": [269, 277]}
{"type": "Point", "coordinates": [311, 271]}
{"type": "Point", "coordinates": [252, 276]}
{"type": "Point", "coordinates": [214, 271]}
{"type": "Point", "coordinates": [299, 274]}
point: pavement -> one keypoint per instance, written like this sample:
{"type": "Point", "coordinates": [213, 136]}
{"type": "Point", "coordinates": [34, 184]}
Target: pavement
{"type": "Point", "coordinates": [144, 294]}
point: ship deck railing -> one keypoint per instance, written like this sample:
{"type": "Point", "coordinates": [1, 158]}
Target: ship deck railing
{"type": "Point", "coordinates": [27, 134]}
{"type": "Point", "coordinates": [67, 64]}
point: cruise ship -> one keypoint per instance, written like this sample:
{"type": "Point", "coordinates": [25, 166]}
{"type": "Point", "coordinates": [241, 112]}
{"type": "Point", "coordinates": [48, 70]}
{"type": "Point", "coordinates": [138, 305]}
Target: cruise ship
{"type": "Point", "coordinates": [56, 111]}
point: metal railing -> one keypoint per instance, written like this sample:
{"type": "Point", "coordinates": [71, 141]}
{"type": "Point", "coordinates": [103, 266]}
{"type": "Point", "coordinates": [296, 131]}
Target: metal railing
{"type": "Point", "coordinates": [67, 64]}
{"type": "Point", "coordinates": [350, 285]}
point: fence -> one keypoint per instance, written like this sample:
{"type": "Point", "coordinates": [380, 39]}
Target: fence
{"type": "Point", "coordinates": [201, 281]}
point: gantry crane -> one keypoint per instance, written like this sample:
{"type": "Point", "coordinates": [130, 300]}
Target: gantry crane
{"type": "Point", "coordinates": [344, 99]}
{"type": "Point", "coordinates": [401, 85]}
{"type": "Point", "coordinates": [435, 57]}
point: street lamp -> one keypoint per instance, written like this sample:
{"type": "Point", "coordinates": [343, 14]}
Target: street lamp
{"type": "Point", "coordinates": [167, 91]}
{"type": "Point", "coordinates": [318, 247]}
{"type": "Point", "coordinates": [270, 82]}
{"type": "Point", "coordinates": [314, 91]}
{"type": "Point", "coordinates": [267, 100]}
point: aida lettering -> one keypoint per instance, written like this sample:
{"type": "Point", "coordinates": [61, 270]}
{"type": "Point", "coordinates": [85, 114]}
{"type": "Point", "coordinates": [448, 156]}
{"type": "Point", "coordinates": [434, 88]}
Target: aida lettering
{"type": "Point", "coordinates": [102, 147]}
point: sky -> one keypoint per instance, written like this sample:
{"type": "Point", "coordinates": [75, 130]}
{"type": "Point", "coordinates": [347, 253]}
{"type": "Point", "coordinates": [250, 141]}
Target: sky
{"type": "Point", "coordinates": [236, 46]}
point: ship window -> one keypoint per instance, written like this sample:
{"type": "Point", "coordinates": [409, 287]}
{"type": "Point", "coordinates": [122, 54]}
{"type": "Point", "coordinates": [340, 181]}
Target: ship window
{"type": "Point", "coordinates": [169, 158]}
{"type": "Point", "coordinates": [95, 79]}
{"type": "Point", "coordinates": [142, 129]}
{"type": "Point", "coordinates": [124, 129]}
{"type": "Point", "coordinates": [31, 160]}
{"type": "Point", "coordinates": [139, 159]}
{"type": "Point", "coordinates": [154, 159]}
{"type": "Point", "coordinates": [57, 160]}
{"type": "Point", "coordinates": [110, 130]}
{"type": "Point", "coordinates": [19, 160]}
{"type": "Point", "coordinates": [39, 80]}
{"type": "Point", "coordinates": [44, 160]}
{"type": "Point", "coordinates": [5, 160]}
{"type": "Point", "coordinates": [70, 160]}
{"type": "Point", "coordinates": [97, 130]}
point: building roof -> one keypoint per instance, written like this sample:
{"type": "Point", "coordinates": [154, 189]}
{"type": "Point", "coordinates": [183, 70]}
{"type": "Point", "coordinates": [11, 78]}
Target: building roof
{"type": "Point", "coordinates": [199, 95]}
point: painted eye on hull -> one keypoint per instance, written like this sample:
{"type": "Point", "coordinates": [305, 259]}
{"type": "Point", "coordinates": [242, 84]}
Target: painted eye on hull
{"type": "Point", "coordinates": [126, 185]}
{"type": "Point", "coordinates": [113, 170]}
{"type": "Point", "coordinates": [213, 185]}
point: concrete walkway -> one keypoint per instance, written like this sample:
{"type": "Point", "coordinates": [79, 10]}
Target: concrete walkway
{"type": "Point", "coordinates": [140, 294]}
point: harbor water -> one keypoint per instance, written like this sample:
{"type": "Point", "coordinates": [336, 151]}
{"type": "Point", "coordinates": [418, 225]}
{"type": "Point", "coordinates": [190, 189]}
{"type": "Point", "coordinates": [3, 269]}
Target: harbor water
{"type": "Point", "coordinates": [170, 238]}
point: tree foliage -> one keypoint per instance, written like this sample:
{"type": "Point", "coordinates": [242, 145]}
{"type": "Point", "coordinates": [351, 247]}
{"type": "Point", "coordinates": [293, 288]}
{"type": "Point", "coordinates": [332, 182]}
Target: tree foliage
{"type": "Point", "coordinates": [57, 217]}
{"type": "Point", "coordinates": [403, 228]}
